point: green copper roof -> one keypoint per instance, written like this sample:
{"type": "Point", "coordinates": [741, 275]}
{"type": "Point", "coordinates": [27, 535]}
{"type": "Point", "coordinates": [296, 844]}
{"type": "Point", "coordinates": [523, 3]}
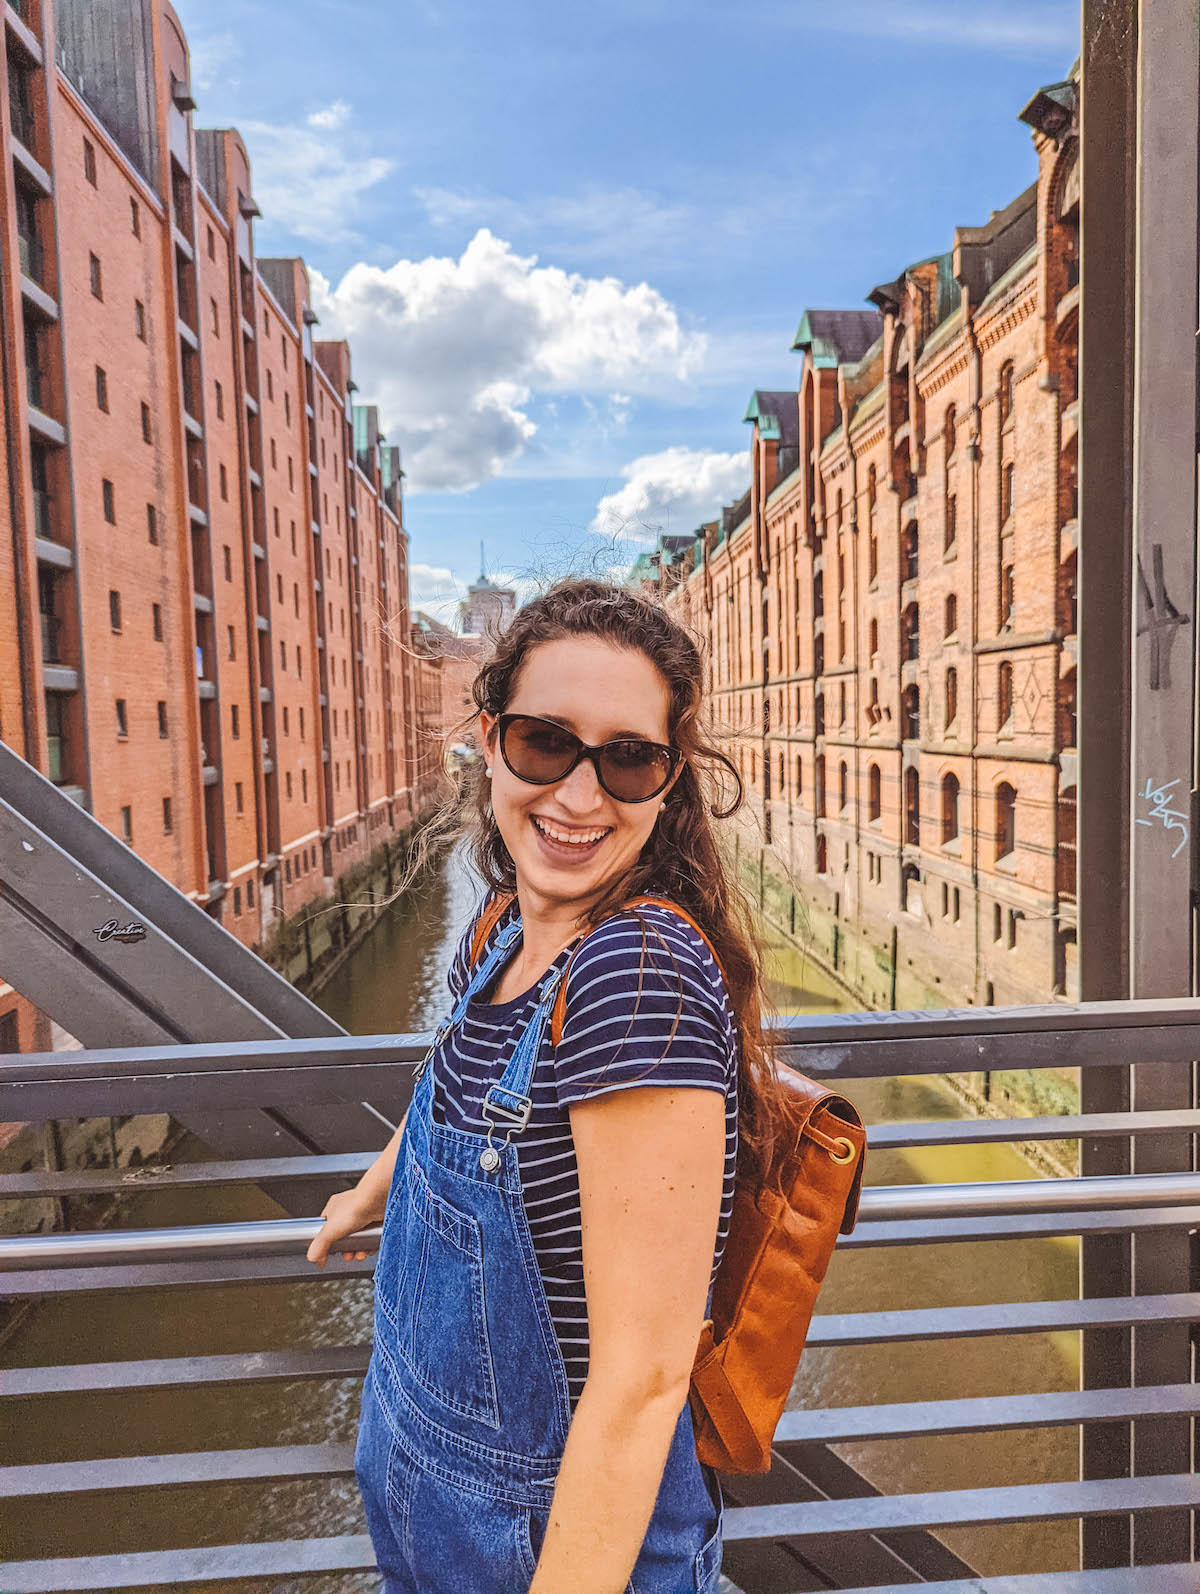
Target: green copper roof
{"type": "Point", "coordinates": [768, 424]}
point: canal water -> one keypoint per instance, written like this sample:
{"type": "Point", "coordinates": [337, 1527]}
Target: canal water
{"type": "Point", "coordinates": [395, 983]}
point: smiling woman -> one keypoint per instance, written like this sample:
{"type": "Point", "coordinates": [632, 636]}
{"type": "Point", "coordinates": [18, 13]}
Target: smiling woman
{"type": "Point", "coordinates": [539, 1297]}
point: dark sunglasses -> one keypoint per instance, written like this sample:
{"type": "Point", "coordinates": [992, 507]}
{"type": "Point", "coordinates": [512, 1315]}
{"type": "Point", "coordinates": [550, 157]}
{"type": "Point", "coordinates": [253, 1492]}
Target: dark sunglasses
{"type": "Point", "coordinates": [630, 768]}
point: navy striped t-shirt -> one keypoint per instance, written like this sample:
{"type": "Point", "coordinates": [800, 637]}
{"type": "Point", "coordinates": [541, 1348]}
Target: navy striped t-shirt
{"type": "Point", "coordinates": [654, 1014]}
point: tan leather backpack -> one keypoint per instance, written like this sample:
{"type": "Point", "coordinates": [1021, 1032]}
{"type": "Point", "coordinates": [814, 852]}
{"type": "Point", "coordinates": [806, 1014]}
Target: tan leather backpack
{"type": "Point", "coordinates": [782, 1233]}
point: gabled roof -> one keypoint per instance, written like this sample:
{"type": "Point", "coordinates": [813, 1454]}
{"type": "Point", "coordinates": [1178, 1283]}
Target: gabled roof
{"type": "Point", "coordinates": [777, 414]}
{"type": "Point", "coordinates": [837, 337]}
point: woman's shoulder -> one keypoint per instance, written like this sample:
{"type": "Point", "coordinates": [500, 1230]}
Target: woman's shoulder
{"type": "Point", "coordinates": [649, 949]}
{"type": "Point", "coordinates": [461, 963]}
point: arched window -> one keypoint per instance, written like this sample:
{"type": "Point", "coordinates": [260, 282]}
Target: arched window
{"type": "Point", "coordinates": [799, 780]}
{"type": "Point", "coordinates": [819, 714]}
{"type": "Point", "coordinates": [872, 488]}
{"type": "Point", "coordinates": [910, 713]}
{"type": "Point", "coordinates": [872, 553]}
{"type": "Point", "coordinates": [841, 703]}
{"type": "Point", "coordinates": [822, 856]}
{"type": "Point", "coordinates": [949, 809]}
{"type": "Point", "coordinates": [874, 714]}
{"type": "Point", "coordinates": [949, 428]}
{"type": "Point", "coordinates": [1006, 493]}
{"type": "Point", "coordinates": [874, 636]}
{"type": "Point", "coordinates": [908, 553]}
{"type": "Point", "coordinates": [818, 594]}
{"type": "Point", "coordinates": [1006, 820]}
{"type": "Point", "coordinates": [819, 656]}
{"type": "Point", "coordinates": [1004, 695]}
{"type": "Point", "coordinates": [912, 888]}
{"type": "Point", "coordinates": [951, 696]}
{"type": "Point", "coordinates": [1006, 391]}
{"type": "Point", "coordinates": [910, 639]}
{"type": "Point", "coordinates": [820, 785]}
{"type": "Point", "coordinates": [874, 793]}
{"type": "Point", "coordinates": [912, 806]}
{"type": "Point", "coordinates": [951, 522]}
{"type": "Point", "coordinates": [843, 785]}
{"type": "Point", "coordinates": [951, 616]}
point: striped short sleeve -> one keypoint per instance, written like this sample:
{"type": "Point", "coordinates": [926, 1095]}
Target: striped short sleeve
{"type": "Point", "coordinates": [646, 1005]}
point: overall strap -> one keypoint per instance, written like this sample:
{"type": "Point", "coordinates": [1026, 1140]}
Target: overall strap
{"type": "Point", "coordinates": [495, 910]}
{"type": "Point", "coordinates": [560, 1006]}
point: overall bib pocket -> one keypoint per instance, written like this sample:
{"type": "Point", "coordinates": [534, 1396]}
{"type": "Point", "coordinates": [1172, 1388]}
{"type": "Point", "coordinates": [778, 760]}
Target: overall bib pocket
{"type": "Point", "coordinates": [441, 1322]}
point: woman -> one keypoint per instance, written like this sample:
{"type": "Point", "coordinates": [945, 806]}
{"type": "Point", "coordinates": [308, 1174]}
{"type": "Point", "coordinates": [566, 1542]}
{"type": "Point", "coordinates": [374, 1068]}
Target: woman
{"type": "Point", "coordinates": [541, 1284]}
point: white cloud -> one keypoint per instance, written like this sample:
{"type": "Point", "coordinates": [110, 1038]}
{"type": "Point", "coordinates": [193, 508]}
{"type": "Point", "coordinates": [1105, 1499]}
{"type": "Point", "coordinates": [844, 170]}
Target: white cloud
{"type": "Point", "coordinates": [309, 180]}
{"type": "Point", "coordinates": [331, 116]}
{"type": "Point", "coordinates": [211, 57]}
{"type": "Point", "coordinates": [672, 491]}
{"type": "Point", "coordinates": [456, 350]}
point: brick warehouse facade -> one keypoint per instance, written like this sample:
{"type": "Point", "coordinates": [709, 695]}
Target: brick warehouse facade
{"type": "Point", "coordinates": [204, 626]}
{"type": "Point", "coordinates": [889, 614]}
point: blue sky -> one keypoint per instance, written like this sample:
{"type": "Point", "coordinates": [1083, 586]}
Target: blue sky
{"type": "Point", "coordinates": [567, 243]}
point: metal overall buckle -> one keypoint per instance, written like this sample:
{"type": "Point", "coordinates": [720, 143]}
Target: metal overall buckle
{"type": "Point", "coordinates": [439, 1035]}
{"type": "Point", "coordinates": [515, 1117]}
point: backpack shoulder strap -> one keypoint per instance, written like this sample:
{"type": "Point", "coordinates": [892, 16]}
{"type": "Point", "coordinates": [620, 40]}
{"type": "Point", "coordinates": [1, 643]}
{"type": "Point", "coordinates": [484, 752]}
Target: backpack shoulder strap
{"type": "Point", "coordinates": [558, 1016]}
{"type": "Point", "coordinates": [495, 910]}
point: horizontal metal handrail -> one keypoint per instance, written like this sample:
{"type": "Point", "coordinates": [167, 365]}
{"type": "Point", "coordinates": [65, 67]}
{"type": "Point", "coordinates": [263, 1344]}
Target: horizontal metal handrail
{"type": "Point", "coordinates": [880, 1204]}
{"type": "Point", "coordinates": [942, 1132]}
{"type": "Point", "coordinates": [825, 1046]}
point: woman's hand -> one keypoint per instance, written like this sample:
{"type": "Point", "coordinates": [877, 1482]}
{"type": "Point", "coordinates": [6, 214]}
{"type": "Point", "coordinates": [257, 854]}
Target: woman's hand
{"type": "Point", "coordinates": [348, 1212]}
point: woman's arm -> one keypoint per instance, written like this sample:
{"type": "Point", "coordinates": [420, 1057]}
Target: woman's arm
{"type": "Point", "coordinates": [352, 1210]}
{"type": "Point", "coordinates": [651, 1168]}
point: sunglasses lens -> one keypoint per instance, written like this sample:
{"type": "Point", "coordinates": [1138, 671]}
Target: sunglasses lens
{"type": "Point", "coordinates": [633, 771]}
{"type": "Point", "coordinates": [537, 751]}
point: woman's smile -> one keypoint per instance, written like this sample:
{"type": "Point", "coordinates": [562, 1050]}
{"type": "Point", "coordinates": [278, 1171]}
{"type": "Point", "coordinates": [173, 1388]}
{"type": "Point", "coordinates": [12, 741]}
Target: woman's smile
{"type": "Point", "coordinates": [569, 844]}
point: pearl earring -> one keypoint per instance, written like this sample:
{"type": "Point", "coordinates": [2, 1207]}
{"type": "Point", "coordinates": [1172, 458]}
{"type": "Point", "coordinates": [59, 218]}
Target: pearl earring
{"type": "Point", "coordinates": [489, 774]}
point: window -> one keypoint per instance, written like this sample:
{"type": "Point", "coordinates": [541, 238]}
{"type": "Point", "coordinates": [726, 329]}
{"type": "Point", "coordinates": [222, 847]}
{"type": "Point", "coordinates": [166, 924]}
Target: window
{"type": "Point", "coordinates": [299, 663]}
{"type": "Point", "coordinates": [231, 638]}
{"type": "Point", "coordinates": [873, 634]}
{"type": "Point", "coordinates": [223, 479]}
{"type": "Point", "coordinates": [291, 474]}
{"type": "Point", "coordinates": [949, 428]}
{"type": "Point", "coordinates": [822, 855]}
{"type": "Point", "coordinates": [156, 621]}
{"type": "Point", "coordinates": [910, 627]}
{"type": "Point", "coordinates": [89, 161]}
{"type": "Point", "coordinates": [1004, 695]}
{"type": "Point", "coordinates": [212, 244]}
{"type": "Point", "coordinates": [110, 503]}
{"type": "Point", "coordinates": [1007, 595]}
{"type": "Point", "coordinates": [139, 319]}
{"type": "Point", "coordinates": [951, 625]}
{"type": "Point", "coordinates": [270, 386]}
{"type": "Point", "coordinates": [910, 710]}
{"type": "Point", "coordinates": [114, 610]}
{"type": "Point", "coordinates": [274, 456]}
{"type": "Point", "coordinates": [1006, 495]}
{"type": "Point", "coordinates": [287, 409]}
{"type": "Point", "coordinates": [304, 785]}
{"type": "Point", "coordinates": [122, 719]}
{"type": "Point", "coordinates": [1006, 820]}
{"type": "Point", "coordinates": [237, 902]}
{"type": "Point", "coordinates": [997, 921]}
{"type": "Point", "coordinates": [220, 397]}
{"type": "Point", "coordinates": [874, 793]}
{"type": "Point", "coordinates": [820, 787]}
{"type": "Point", "coordinates": [286, 728]}
{"type": "Point", "coordinates": [214, 311]}
{"type": "Point", "coordinates": [1012, 928]}
{"type": "Point", "coordinates": [277, 522]}
{"type": "Point", "coordinates": [951, 696]}
{"type": "Point", "coordinates": [101, 389]}
{"type": "Point", "coordinates": [135, 217]}
{"type": "Point", "coordinates": [249, 893]}
{"type": "Point", "coordinates": [1006, 392]}
{"type": "Point", "coordinates": [283, 655]}
{"type": "Point", "coordinates": [127, 825]}
{"type": "Point", "coordinates": [288, 779]}
{"type": "Point", "coordinates": [239, 804]}
{"type": "Point", "coordinates": [235, 724]}
{"type": "Point", "coordinates": [908, 554]}
{"type": "Point", "coordinates": [162, 720]}
{"type": "Point", "coordinates": [97, 276]}
{"type": "Point", "coordinates": [296, 599]}
{"type": "Point", "coordinates": [949, 809]}
{"type": "Point", "coordinates": [278, 587]}
{"type": "Point", "coordinates": [147, 434]}
{"type": "Point", "coordinates": [912, 806]}
{"type": "Point", "coordinates": [284, 347]}
{"type": "Point", "coordinates": [843, 785]}
{"type": "Point", "coordinates": [301, 724]}
{"type": "Point", "coordinates": [951, 521]}
{"type": "Point", "coordinates": [168, 826]}
{"type": "Point", "coordinates": [267, 329]}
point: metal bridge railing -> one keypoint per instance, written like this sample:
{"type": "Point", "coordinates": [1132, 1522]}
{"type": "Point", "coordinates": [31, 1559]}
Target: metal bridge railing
{"type": "Point", "coordinates": [786, 1530]}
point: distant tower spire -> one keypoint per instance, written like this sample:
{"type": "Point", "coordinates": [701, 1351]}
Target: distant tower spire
{"type": "Point", "coordinates": [482, 562]}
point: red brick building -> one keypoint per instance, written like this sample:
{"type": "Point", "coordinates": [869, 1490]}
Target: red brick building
{"type": "Point", "coordinates": [204, 627]}
{"type": "Point", "coordinates": [889, 613]}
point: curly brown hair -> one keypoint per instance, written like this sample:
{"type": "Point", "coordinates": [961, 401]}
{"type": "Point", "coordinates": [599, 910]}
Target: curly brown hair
{"type": "Point", "coordinates": [681, 860]}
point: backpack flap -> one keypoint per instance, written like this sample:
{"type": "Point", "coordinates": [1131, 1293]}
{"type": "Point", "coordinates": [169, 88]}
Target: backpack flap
{"type": "Point", "coordinates": [833, 1123]}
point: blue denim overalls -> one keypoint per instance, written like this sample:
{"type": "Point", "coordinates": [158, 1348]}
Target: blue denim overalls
{"type": "Point", "coordinates": [465, 1407]}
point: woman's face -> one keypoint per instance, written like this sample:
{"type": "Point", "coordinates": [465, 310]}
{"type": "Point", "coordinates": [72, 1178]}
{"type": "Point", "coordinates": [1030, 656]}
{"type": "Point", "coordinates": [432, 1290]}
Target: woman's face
{"type": "Point", "coordinates": [599, 692]}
